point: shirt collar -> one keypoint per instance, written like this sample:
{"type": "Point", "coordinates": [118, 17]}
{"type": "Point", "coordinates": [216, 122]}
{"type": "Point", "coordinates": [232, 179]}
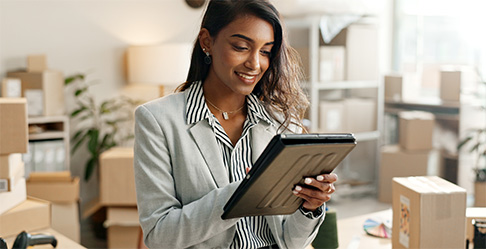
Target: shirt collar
{"type": "Point", "coordinates": [197, 110]}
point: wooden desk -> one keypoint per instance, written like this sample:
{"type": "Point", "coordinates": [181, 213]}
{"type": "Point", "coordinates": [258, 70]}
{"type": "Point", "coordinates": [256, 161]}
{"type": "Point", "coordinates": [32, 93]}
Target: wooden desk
{"type": "Point", "coordinates": [352, 236]}
{"type": "Point", "coordinates": [62, 241]}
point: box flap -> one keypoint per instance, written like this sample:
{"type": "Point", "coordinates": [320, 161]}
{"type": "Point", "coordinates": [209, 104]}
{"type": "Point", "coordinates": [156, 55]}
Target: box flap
{"type": "Point", "coordinates": [117, 152]}
{"type": "Point", "coordinates": [421, 115]}
{"type": "Point", "coordinates": [120, 216]}
{"type": "Point", "coordinates": [60, 176]}
{"type": "Point", "coordinates": [429, 184]}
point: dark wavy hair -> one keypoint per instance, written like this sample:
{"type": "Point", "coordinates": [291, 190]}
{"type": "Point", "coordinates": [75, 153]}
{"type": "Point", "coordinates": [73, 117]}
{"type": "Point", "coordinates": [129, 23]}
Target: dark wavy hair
{"type": "Point", "coordinates": [279, 89]}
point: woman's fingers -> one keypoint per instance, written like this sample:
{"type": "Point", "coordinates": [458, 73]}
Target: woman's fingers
{"type": "Point", "coordinates": [316, 191]}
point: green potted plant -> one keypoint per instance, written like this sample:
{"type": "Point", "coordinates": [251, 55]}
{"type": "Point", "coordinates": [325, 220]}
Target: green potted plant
{"type": "Point", "coordinates": [100, 126]}
{"type": "Point", "coordinates": [476, 142]}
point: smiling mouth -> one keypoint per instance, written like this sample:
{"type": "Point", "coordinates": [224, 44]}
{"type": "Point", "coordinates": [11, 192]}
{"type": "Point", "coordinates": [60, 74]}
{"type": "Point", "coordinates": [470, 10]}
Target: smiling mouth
{"type": "Point", "coordinates": [245, 76]}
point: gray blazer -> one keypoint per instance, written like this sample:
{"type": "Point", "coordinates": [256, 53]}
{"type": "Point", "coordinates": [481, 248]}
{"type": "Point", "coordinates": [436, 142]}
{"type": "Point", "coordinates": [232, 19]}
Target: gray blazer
{"type": "Point", "coordinates": [182, 184]}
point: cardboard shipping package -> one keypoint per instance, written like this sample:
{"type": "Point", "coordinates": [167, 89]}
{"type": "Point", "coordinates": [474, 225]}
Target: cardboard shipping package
{"type": "Point", "coordinates": [331, 63]}
{"type": "Point", "coordinates": [65, 219]}
{"type": "Point", "coordinates": [13, 126]}
{"type": "Point", "coordinates": [55, 191]}
{"type": "Point", "coordinates": [415, 130]}
{"type": "Point", "coordinates": [9, 164]}
{"type": "Point", "coordinates": [13, 198]}
{"type": "Point", "coordinates": [360, 115]}
{"type": "Point", "coordinates": [30, 215]}
{"type": "Point", "coordinates": [428, 212]}
{"type": "Point", "coordinates": [123, 227]}
{"type": "Point", "coordinates": [396, 162]}
{"type": "Point", "coordinates": [44, 91]}
{"type": "Point", "coordinates": [331, 116]}
{"type": "Point", "coordinates": [117, 179]}
{"type": "Point", "coordinates": [450, 85]}
{"type": "Point", "coordinates": [17, 174]}
{"type": "Point", "coordinates": [480, 194]}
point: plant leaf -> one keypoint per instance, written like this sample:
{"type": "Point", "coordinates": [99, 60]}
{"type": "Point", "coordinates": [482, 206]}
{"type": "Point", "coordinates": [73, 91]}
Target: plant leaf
{"type": "Point", "coordinates": [90, 165]}
{"type": "Point", "coordinates": [475, 147]}
{"type": "Point", "coordinates": [463, 142]}
{"type": "Point", "coordinates": [80, 91]}
{"type": "Point", "coordinates": [78, 111]}
{"type": "Point", "coordinates": [81, 140]}
{"type": "Point", "coordinates": [93, 141]}
{"type": "Point", "coordinates": [71, 79]}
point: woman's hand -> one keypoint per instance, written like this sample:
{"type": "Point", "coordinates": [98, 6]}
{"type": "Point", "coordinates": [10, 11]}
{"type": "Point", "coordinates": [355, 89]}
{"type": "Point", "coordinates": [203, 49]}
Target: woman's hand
{"type": "Point", "coordinates": [316, 191]}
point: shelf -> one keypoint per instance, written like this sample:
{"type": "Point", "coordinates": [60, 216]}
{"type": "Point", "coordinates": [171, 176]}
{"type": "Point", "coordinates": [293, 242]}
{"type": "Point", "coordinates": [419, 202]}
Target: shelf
{"type": "Point", "coordinates": [367, 136]}
{"type": "Point", "coordinates": [47, 135]}
{"type": "Point", "coordinates": [355, 84]}
{"type": "Point", "coordinates": [47, 119]}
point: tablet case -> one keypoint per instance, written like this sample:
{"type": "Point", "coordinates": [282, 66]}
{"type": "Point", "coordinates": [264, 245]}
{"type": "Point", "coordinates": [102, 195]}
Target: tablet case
{"type": "Point", "coordinates": [285, 162]}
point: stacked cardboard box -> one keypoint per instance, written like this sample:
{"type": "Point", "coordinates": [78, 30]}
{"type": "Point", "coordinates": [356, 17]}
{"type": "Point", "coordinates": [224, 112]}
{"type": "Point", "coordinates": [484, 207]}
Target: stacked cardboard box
{"type": "Point", "coordinates": [62, 191]}
{"type": "Point", "coordinates": [117, 198]}
{"type": "Point", "coordinates": [480, 194]}
{"type": "Point", "coordinates": [411, 156]}
{"type": "Point", "coordinates": [43, 88]}
{"type": "Point", "coordinates": [30, 215]}
{"type": "Point", "coordinates": [13, 140]}
{"type": "Point", "coordinates": [348, 115]}
{"type": "Point", "coordinates": [428, 212]}
{"type": "Point", "coordinates": [17, 212]}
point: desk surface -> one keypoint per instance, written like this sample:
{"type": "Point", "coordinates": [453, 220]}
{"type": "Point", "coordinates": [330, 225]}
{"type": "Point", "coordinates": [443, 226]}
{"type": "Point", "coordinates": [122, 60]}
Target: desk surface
{"type": "Point", "coordinates": [352, 236]}
{"type": "Point", "coordinates": [62, 241]}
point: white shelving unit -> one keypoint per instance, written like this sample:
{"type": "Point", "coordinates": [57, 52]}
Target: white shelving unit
{"type": "Point", "coordinates": [51, 128]}
{"type": "Point", "coordinates": [314, 87]}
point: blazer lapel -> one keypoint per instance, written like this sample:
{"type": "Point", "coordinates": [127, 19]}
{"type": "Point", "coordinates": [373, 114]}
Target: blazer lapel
{"type": "Point", "coordinates": [262, 133]}
{"type": "Point", "coordinates": [208, 146]}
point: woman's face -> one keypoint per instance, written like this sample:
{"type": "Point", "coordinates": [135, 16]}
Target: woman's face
{"type": "Point", "coordinates": [241, 54]}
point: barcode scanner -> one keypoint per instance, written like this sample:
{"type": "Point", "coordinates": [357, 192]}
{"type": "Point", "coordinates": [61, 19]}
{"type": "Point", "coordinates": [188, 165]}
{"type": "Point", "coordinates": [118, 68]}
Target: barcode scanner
{"type": "Point", "coordinates": [24, 240]}
{"type": "Point", "coordinates": [3, 244]}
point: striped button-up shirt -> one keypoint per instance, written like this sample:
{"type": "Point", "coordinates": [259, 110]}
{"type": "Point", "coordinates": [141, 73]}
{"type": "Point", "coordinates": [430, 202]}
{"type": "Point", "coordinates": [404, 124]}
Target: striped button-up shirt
{"type": "Point", "coordinates": [251, 232]}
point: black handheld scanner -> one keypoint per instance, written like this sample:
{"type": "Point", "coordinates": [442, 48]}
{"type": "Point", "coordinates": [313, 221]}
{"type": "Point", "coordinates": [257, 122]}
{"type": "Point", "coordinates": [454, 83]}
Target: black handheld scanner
{"type": "Point", "coordinates": [24, 240]}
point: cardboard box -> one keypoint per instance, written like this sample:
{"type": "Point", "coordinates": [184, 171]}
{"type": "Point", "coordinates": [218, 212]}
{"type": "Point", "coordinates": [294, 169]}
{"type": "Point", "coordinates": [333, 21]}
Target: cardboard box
{"type": "Point", "coordinates": [117, 179]}
{"type": "Point", "coordinates": [450, 85]}
{"type": "Point", "coordinates": [13, 126]}
{"type": "Point", "coordinates": [123, 227]}
{"type": "Point", "coordinates": [32, 214]}
{"type": "Point", "coordinates": [60, 176]}
{"type": "Point", "coordinates": [360, 114]}
{"type": "Point", "coordinates": [331, 116]}
{"type": "Point", "coordinates": [8, 183]}
{"type": "Point", "coordinates": [331, 63]}
{"type": "Point", "coordinates": [428, 212]}
{"type": "Point", "coordinates": [13, 198]}
{"type": "Point", "coordinates": [304, 57]}
{"type": "Point", "coordinates": [415, 130]}
{"type": "Point", "coordinates": [36, 63]}
{"type": "Point", "coordinates": [44, 91]}
{"type": "Point", "coordinates": [471, 214]}
{"type": "Point", "coordinates": [396, 162]}
{"type": "Point", "coordinates": [480, 194]}
{"type": "Point", "coordinates": [9, 164]}
{"type": "Point", "coordinates": [55, 191]}
{"type": "Point", "coordinates": [393, 87]}
{"type": "Point", "coordinates": [65, 219]}
{"type": "Point", "coordinates": [361, 42]}
{"type": "Point", "coordinates": [11, 88]}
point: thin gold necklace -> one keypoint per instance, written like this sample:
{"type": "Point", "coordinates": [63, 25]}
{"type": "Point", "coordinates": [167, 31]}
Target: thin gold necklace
{"type": "Point", "coordinates": [225, 114]}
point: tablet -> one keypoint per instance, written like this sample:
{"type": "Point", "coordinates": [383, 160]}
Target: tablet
{"type": "Point", "coordinates": [285, 162]}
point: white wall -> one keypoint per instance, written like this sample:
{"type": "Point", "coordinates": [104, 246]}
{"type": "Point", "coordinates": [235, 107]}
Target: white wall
{"type": "Point", "coordinates": [90, 36]}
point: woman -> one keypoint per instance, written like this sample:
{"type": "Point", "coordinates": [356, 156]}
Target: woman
{"type": "Point", "coordinates": [193, 148]}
